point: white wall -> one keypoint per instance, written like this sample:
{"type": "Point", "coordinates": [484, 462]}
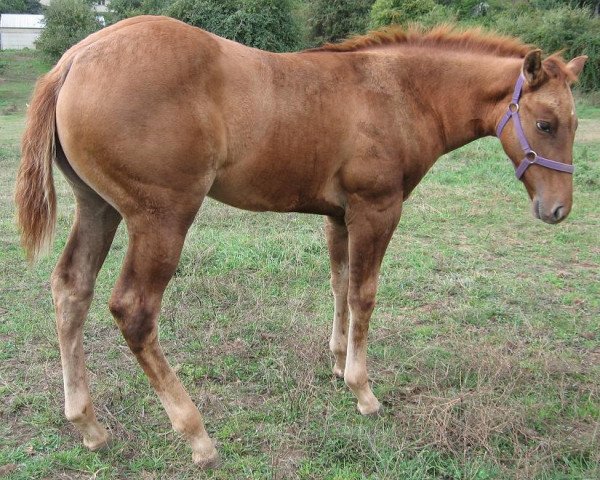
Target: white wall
{"type": "Point", "coordinates": [17, 39]}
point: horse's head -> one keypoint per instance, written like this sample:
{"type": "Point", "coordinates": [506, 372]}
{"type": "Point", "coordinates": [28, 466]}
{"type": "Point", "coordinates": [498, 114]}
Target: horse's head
{"type": "Point", "coordinates": [541, 125]}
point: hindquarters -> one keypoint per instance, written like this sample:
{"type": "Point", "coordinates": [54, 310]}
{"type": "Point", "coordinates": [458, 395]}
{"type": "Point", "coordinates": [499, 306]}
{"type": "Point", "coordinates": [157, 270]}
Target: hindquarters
{"type": "Point", "coordinates": [146, 134]}
{"type": "Point", "coordinates": [35, 197]}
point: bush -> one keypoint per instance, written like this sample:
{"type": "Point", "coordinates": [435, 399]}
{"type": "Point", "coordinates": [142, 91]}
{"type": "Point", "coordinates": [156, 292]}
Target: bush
{"type": "Point", "coordinates": [403, 12]}
{"type": "Point", "coordinates": [67, 22]}
{"type": "Point", "coordinates": [552, 25]}
{"type": "Point", "coordinates": [566, 28]}
{"type": "Point", "coordinates": [266, 24]}
{"type": "Point", "coordinates": [130, 8]}
{"type": "Point", "coordinates": [20, 6]}
{"type": "Point", "coordinates": [333, 20]}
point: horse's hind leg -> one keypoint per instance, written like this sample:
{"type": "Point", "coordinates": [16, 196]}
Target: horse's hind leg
{"type": "Point", "coordinates": [154, 250]}
{"type": "Point", "coordinates": [337, 242]}
{"type": "Point", "coordinates": [73, 282]}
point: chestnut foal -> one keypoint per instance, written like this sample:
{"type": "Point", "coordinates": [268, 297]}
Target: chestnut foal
{"type": "Point", "coordinates": [143, 130]}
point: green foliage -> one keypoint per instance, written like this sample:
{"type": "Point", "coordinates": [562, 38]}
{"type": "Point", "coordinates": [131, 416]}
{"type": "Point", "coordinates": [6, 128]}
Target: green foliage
{"type": "Point", "coordinates": [466, 9]}
{"type": "Point", "coordinates": [67, 22]}
{"type": "Point", "coordinates": [552, 25]}
{"type": "Point", "coordinates": [266, 24]}
{"type": "Point", "coordinates": [566, 28]}
{"type": "Point", "coordinates": [332, 20]}
{"type": "Point", "coordinates": [20, 6]}
{"type": "Point", "coordinates": [130, 8]}
{"type": "Point", "coordinates": [426, 12]}
{"type": "Point", "coordinates": [292, 24]}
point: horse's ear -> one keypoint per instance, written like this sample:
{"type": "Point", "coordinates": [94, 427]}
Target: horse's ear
{"type": "Point", "coordinates": [532, 68]}
{"type": "Point", "coordinates": [576, 65]}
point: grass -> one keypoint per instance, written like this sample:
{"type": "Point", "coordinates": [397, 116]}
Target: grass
{"type": "Point", "coordinates": [18, 70]}
{"type": "Point", "coordinates": [484, 346]}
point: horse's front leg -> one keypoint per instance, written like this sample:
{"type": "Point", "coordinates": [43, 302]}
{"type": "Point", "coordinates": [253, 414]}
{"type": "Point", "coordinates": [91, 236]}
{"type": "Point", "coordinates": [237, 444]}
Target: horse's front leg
{"type": "Point", "coordinates": [337, 242]}
{"type": "Point", "coordinates": [371, 224]}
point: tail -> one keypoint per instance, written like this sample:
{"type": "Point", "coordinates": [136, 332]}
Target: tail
{"type": "Point", "coordinates": [35, 197]}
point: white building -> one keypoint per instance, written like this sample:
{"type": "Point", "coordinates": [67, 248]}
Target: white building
{"type": "Point", "coordinates": [18, 31]}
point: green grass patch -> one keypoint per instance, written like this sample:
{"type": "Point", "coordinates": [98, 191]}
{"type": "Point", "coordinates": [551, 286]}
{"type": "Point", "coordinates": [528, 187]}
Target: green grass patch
{"type": "Point", "coordinates": [484, 347]}
{"type": "Point", "coordinates": [18, 70]}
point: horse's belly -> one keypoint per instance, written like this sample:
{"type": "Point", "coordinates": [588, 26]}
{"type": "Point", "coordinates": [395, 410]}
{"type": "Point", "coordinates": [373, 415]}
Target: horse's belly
{"type": "Point", "coordinates": [277, 192]}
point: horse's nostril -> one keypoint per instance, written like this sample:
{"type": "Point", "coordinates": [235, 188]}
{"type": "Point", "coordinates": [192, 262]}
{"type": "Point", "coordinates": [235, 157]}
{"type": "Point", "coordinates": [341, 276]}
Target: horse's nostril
{"type": "Point", "coordinates": [558, 212]}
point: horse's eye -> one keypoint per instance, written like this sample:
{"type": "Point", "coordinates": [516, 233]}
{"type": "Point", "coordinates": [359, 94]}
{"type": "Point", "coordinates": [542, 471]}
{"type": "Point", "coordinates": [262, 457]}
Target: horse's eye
{"type": "Point", "coordinates": [543, 126]}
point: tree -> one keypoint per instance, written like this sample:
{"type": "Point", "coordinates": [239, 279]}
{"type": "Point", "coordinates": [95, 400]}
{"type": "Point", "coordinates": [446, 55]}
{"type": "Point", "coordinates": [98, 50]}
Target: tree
{"type": "Point", "coordinates": [130, 8]}
{"type": "Point", "coordinates": [67, 22]}
{"type": "Point", "coordinates": [333, 20]}
{"type": "Point", "coordinates": [570, 29]}
{"type": "Point", "coordinates": [20, 6]}
{"type": "Point", "coordinates": [427, 12]}
{"type": "Point", "coordinates": [265, 24]}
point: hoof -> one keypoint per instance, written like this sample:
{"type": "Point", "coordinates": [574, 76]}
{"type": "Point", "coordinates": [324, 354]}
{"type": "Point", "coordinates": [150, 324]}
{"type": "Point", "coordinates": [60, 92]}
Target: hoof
{"type": "Point", "coordinates": [373, 408]}
{"type": "Point", "coordinates": [97, 443]}
{"type": "Point", "coordinates": [206, 461]}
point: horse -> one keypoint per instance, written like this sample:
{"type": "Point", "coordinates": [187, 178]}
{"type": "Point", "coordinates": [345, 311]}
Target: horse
{"type": "Point", "coordinates": [147, 117]}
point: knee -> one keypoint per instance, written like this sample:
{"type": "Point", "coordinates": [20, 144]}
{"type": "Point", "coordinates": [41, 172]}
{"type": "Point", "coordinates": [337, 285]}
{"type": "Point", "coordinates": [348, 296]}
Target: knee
{"type": "Point", "coordinates": [339, 287]}
{"type": "Point", "coordinates": [363, 297]}
{"type": "Point", "coordinates": [135, 317]}
{"type": "Point", "coordinates": [339, 277]}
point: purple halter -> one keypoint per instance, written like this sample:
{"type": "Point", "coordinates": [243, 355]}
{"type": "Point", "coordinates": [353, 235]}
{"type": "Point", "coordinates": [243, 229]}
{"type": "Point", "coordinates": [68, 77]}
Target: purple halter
{"type": "Point", "coordinates": [531, 158]}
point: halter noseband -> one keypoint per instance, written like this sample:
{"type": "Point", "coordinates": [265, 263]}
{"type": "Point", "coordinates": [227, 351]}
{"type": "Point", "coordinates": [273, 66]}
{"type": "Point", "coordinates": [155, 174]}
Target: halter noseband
{"type": "Point", "coordinates": [531, 158]}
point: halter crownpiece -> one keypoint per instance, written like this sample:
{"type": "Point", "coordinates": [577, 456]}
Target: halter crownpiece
{"type": "Point", "coordinates": [531, 158]}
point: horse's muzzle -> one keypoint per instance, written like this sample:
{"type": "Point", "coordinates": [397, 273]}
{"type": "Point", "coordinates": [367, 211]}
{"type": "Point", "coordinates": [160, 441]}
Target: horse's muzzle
{"type": "Point", "coordinates": [556, 214]}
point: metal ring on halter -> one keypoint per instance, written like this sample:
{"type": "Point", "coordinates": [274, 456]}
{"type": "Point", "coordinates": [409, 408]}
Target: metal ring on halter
{"type": "Point", "coordinates": [530, 156]}
{"type": "Point", "coordinates": [513, 107]}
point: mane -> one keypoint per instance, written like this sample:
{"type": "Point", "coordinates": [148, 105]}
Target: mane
{"type": "Point", "coordinates": [443, 36]}
{"type": "Point", "coordinates": [447, 37]}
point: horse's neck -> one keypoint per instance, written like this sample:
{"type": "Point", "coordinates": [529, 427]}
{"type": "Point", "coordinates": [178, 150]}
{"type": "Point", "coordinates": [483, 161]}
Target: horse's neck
{"type": "Point", "coordinates": [466, 93]}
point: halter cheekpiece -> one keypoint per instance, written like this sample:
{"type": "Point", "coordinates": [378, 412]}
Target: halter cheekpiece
{"type": "Point", "coordinates": [531, 158]}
